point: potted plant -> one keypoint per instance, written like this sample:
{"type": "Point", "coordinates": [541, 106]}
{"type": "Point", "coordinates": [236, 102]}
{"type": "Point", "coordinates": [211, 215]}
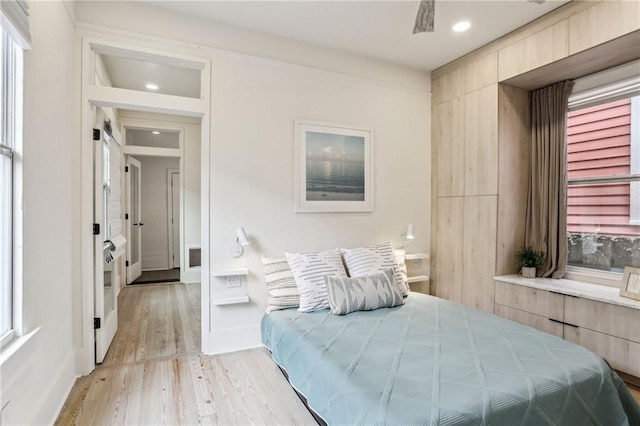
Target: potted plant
{"type": "Point", "coordinates": [528, 260]}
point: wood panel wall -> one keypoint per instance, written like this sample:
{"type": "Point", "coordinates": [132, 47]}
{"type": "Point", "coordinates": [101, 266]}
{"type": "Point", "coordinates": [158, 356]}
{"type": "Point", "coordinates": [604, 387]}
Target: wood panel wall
{"type": "Point", "coordinates": [480, 138]}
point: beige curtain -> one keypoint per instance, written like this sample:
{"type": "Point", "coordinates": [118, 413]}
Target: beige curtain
{"type": "Point", "coordinates": [546, 225]}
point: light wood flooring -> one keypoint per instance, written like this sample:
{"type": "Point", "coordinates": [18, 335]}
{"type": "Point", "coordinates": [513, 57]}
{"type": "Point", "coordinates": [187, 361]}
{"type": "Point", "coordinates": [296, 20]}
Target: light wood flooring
{"type": "Point", "coordinates": [154, 372]}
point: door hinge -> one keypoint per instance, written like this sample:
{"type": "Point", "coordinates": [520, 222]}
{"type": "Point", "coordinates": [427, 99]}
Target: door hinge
{"type": "Point", "coordinates": [96, 134]}
{"type": "Point", "coordinates": [126, 169]}
{"type": "Point", "coordinates": [126, 216]}
{"type": "Point", "coordinates": [96, 323]}
{"type": "Point", "coordinates": [96, 229]}
{"type": "Point", "coordinates": [126, 263]}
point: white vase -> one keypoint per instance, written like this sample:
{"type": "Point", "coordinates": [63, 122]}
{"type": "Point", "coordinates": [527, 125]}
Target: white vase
{"type": "Point", "coordinates": [528, 272]}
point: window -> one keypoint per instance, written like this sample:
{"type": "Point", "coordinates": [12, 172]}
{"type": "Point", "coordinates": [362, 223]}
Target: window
{"type": "Point", "coordinates": [603, 163]}
{"type": "Point", "coordinates": [10, 134]}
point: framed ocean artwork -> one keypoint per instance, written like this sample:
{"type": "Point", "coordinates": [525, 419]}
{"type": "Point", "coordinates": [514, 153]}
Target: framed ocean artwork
{"type": "Point", "coordinates": [333, 168]}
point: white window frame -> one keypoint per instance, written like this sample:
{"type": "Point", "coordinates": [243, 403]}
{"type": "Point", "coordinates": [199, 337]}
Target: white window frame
{"type": "Point", "coordinates": [12, 120]}
{"type": "Point", "coordinates": [607, 86]}
{"type": "Point", "coordinates": [634, 216]}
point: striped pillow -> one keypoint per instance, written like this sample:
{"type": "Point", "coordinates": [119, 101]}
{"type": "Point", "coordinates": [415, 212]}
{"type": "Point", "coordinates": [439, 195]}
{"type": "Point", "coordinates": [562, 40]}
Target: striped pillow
{"type": "Point", "coordinates": [400, 255]}
{"type": "Point", "coordinates": [282, 292]}
{"type": "Point", "coordinates": [363, 293]}
{"type": "Point", "coordinates": [365, 261]}
{"type": "Point", "coordinates": [309, 270]}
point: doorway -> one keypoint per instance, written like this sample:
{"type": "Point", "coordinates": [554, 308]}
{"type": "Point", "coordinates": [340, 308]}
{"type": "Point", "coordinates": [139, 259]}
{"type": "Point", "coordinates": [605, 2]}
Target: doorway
{"type": "Point", "coordinates": [160, 216]}
{"type": "Point", "coordinates": [102, 90]}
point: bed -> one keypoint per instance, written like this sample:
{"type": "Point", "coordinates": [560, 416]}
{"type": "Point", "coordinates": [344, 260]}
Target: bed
{"type": "Point", "coordinates": [435, 362]}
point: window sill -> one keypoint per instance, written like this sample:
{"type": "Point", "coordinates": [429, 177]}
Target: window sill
{"type": "Point", "coordinates": [15, 345]}
{"type": "Point", "coordinates": [599, 293]}
{"type": "Point", "coordinates": [593, 276]}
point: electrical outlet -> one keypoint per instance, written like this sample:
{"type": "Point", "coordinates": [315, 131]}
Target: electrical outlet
{"type": "Point", "coordinates": [414, 264]}
{"type": "Point", "coordinates": [233, 281]}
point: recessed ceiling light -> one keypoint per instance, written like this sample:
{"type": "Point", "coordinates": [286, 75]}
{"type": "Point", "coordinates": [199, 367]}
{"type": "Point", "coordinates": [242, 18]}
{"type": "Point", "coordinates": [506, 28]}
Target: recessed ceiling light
{"type": "Point", "coordinates": [151, 86]}
{"type": "Point", "coordinates": [461, 26]}
{"type": "Point", "coordinates": [155, 132]}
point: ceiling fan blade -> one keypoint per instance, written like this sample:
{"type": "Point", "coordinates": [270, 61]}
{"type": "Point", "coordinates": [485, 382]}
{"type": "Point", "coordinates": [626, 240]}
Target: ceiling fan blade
{"type": "Point", "coordinates": [424, 19]}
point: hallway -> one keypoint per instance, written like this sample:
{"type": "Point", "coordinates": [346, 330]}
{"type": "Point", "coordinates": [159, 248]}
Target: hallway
{"type": "Point", "coordinates": [154, 372]}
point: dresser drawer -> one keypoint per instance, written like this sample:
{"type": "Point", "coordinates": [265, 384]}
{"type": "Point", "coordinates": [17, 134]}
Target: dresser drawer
{"type": "Point", "coordinates": [532, 320]}
{"type": "Point", "coordinates": [623, 355]}
{"type": "Point", "coordinates": [606, 318]}
{"type": "Point", "coordinates": [534, 301]}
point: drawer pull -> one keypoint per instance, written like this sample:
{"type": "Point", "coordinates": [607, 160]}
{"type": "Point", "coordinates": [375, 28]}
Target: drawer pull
{"type": "Point", "coordinates": [554, 320]}
{"type": "Point", "coordinates": [563, 294]}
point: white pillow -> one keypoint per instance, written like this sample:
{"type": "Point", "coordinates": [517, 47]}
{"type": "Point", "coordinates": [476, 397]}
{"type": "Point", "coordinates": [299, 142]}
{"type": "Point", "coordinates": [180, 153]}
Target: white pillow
{"type": "Point", "coordinates": [400, 256]}
{"type": "Point", "coordinates": [309, 271]}
{"type": "Point", "coordinates": [365, 261]}
{"type": "Point", "coordinates": [282, 292]}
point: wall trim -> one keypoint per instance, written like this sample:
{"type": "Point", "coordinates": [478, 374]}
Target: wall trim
{"type": "Point", "coordinates": [234, 339]}
{"type": "Point", "coordinates": [62, 387]}
{"type": "Point", "coordinates": [135, 100]}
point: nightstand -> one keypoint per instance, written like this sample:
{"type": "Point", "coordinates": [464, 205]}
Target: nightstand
{"type": "Point", "coordinates": [418, 272]}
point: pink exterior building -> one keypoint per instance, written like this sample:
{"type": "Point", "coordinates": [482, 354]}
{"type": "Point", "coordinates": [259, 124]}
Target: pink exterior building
{"type": "Point", "coordinates": [599, 144]}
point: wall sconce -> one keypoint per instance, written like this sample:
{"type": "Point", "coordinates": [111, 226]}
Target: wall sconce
{"type": "Point", "coordinates": [408, 237]}
{"type": "Point", "coordinates": [241, 241]}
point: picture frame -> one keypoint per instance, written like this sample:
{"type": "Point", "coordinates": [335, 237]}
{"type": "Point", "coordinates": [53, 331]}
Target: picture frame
{"type": "Point", "coordinates": [333, 168]}
{"type": "Point", "coordinates": [631, 283]}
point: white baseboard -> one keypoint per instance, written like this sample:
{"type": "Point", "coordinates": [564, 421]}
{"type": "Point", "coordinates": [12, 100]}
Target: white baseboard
{"type": "Point", "coordinates": [34, 396]}
{"type": "Point", "coordinates": [233, 339]}
{"type": "Point", "coordinates": [191, 275]}
{"type": "Point", "coordinates": [84, 364]}
{"type": "Point", "coordinates": [63, 387]}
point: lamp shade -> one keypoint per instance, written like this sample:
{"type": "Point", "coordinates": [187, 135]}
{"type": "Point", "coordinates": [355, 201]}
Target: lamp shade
{"type": "Point", "coordinates": [242, 237]}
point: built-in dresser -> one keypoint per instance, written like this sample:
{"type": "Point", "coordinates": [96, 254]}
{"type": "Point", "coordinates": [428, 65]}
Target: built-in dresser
{"type": "Point", "coordinates": [592, 316]}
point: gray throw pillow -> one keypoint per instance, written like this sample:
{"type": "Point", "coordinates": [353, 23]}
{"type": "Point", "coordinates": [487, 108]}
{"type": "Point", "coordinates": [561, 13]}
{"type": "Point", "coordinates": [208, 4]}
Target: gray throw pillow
{"type": "Point", "coordinates": [367, 293]}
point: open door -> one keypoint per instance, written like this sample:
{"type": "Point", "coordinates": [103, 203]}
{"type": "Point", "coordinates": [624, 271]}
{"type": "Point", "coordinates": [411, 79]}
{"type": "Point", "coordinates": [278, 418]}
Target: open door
{"type": "Point", "coordinates": [106, 274]}
{"type": "Point", "coordinates": [133, 220]}
{"type": "Point", "coordinates": [174, 235]}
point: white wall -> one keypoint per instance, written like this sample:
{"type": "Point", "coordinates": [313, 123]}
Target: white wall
{"type": "Point", "coordinates": [254, 103]}
{"type": "Point", "coordinates": [155, 235]}
{"type": "Point", "coordinates": [37, 378]}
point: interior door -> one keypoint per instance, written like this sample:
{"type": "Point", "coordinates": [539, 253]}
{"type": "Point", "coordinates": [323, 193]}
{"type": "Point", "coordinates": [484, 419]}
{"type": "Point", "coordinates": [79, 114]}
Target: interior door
{"type": "Point", "coordinates": [175, 218]}
{"type": "Point", "coordinates": [133, 220]}
{"type": "Point", "coordinates": [106, 274]}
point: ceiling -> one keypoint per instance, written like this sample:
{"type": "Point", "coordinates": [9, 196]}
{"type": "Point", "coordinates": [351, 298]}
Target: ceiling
{"type": "Point", "coordinates": [374, 28]}
{"type": "Point", "coordinates": [145, 137]}
{"type": "Point", "coordinates": [134, 74]}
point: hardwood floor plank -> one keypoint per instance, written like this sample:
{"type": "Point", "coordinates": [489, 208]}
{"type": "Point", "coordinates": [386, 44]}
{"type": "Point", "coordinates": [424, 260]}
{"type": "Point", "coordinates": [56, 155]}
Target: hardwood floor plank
{"type": "Point", "coordinates": [155, 374]}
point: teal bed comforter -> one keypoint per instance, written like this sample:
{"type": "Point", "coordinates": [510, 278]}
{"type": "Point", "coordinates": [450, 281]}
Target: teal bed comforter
{"type": "Point", "coordinates": [434, 362]}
